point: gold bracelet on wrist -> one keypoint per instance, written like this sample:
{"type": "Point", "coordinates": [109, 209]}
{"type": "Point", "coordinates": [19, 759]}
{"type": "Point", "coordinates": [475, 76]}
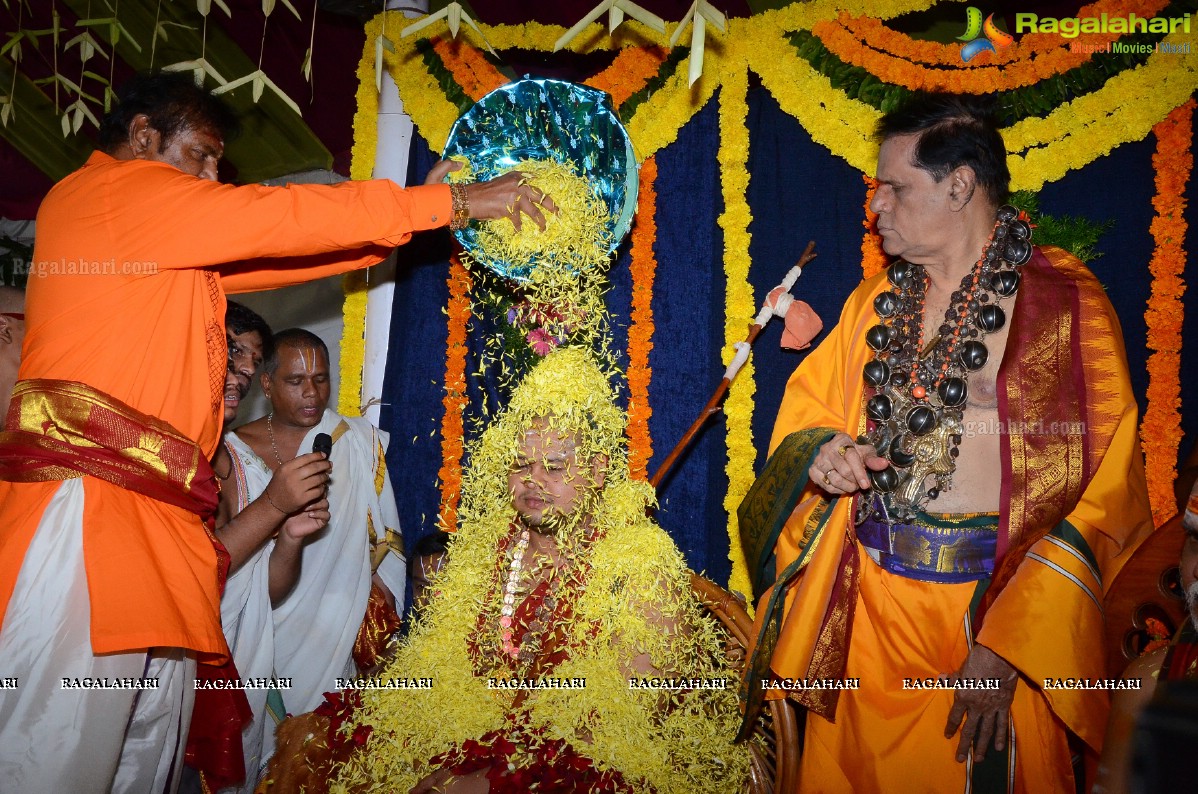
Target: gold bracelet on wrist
{"type": "Point", "coordinates": [461, 207]}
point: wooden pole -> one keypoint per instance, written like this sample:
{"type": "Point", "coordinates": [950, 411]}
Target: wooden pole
{"type": "Point", "coordinates": [713, 405]}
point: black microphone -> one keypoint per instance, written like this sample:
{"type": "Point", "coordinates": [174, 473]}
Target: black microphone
{"type": "Point", "coordinates": [323, 443]}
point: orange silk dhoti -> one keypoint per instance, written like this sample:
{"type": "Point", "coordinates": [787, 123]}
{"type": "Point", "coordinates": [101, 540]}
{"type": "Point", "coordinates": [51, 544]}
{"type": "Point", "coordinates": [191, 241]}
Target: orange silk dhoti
{"type": "Point", "coordinates": [908, 629]}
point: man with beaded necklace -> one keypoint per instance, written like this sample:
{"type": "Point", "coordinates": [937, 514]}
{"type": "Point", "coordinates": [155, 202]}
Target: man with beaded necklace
{"type": "Point", "coordinates": [945, 498]}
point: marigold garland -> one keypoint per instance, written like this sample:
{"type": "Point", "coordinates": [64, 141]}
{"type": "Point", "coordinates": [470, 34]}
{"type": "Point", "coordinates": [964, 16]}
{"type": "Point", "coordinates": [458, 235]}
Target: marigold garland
{"type": "Point", "coordinates": [452, 431]}
{"type": "Point", "coordinates": [898, 59]}
{"type": "Point", "coordinates": [1160, 431]}
{"type": "Point", "coordinates": [471, 71]}
{"type": "Point", "coordinates": [1042, 149]}
{"type": "Point", "coordinates": [640, 332]}
{"type": "Point", "coordinates": [353, 337]}
{"type": "Point", "coordinates": [628, 72]}
{"type": "Point", "coordinates": [873, 33]}
{"type": "Point", "coordinates": [873, 258]}
{"type": "Point", "coordinates": [739, 306]}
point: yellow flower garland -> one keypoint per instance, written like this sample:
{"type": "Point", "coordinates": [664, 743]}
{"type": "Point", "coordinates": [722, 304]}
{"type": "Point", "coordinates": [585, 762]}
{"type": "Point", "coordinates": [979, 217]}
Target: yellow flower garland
{"type": "Point", "coordinates": [353, 336]}
{"type": "Point", "coordinates": [740, 307]}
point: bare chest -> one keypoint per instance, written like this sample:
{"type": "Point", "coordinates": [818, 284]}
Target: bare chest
{"type": "Point", "coordinates": [977, 478]}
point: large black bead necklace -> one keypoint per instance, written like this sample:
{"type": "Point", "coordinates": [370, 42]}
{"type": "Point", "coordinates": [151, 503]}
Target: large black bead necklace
{"type": "Point", "coordinates": [918, 390]}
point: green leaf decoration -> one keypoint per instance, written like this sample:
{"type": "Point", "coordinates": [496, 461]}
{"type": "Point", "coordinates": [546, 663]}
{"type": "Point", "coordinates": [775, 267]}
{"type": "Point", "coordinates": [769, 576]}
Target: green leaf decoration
{"type": "Point", "coordinates": [1077, 235]}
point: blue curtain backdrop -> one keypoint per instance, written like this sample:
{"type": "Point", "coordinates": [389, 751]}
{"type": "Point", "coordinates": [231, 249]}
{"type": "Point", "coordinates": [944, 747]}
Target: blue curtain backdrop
{"type": "Point", "coordinates": [798, 192]}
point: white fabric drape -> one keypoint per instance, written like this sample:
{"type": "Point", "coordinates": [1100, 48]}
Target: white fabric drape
{"type": "Point", "coordinates": [309, 637]}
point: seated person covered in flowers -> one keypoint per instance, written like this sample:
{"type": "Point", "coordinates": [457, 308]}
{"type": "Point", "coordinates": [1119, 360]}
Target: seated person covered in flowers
{"type": "Point", "coordinates": [555, 577]}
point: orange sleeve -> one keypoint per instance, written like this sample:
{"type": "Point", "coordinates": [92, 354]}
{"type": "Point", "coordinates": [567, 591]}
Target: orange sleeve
{"type": "Point", "coordinates": [174, 220]}
{"type": "Point", "coordinates": [262, 274]}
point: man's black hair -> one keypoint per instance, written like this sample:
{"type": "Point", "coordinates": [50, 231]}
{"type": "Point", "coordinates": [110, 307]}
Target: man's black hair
{"type": "Point", "coordinates": [954, 130]}
{"type": "Point", "coordinates": [432, 543]}
{"type": "Point", "coordinates": [240, 319]}
{"type": "Point", "coordinates": [297, 338]}
{"type": "Point", "coordinates": [172, 101]}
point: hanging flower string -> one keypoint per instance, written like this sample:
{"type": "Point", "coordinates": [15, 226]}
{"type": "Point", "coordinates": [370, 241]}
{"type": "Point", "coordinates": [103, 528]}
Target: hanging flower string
{"type": "Point", "coordinates": [1160, 431]}
{"type": "Point", "coordinates": [640, 332]}
{"type": "Point", "coordinates": [739, 306]}
{"type": "Point", "coordinates": [873, 258]}
{"type": "Point", "coordinates": [455, 398]}
{"type": "Point", "coordinates": [353, 338]}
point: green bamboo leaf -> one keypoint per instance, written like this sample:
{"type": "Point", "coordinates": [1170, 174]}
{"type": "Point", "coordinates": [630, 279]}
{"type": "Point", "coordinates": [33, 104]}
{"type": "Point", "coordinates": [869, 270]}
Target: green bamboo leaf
{"type": "Point", "coordinates": [5, 113]}
{"type": "Point", "coordinates": [66, 124]}
{"type": "Point", "coordinates": [257, 86]}
{"type": "Point", "coordinates": [98, 78]}
{"type": "Point", "coordinates": [232, 84]}
{"type": "Point", "coordinates": [119, 30]}
{"type": "Point", "coordinates": [281, 94]}
{"type": "Point", "coordinates": [291, 8]}
{"type": "Point", "coordinates": [204, 7]}
{"type": "Point", "coordinates": [66, 81]}
{"type": "Point", "coordinates": [268, 7]}
{"type": "Point", "coordinates": [13, 45]}
{"type": "Point", "coordinates": [306, 68]}
{"type": "Point", "coordinates": [97, 22]}
{"type": "Point", "coordinates": [378, 64]}
{"type": "Point", "coordinates": [224, 7]}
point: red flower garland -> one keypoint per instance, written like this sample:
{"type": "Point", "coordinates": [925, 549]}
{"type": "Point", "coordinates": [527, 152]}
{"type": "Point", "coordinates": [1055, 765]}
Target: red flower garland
{"type": "Point", "coordinates": [1160, 431]}
{"type": "Point", "coordinates": [640, 332]}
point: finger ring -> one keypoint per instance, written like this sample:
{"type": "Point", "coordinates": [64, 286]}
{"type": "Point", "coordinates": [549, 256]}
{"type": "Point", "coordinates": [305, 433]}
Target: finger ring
{"type": "Point", "coordinates": [842, 449]}
{"type": "Point", "coordinates": [826, 480]}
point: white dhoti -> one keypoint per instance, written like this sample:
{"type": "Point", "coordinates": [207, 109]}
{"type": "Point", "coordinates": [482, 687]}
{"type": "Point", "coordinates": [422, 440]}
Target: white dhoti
{"type": "Point", "coordinates": [59, 731]}
{"type": "Point", "coordinates": [309, 638]}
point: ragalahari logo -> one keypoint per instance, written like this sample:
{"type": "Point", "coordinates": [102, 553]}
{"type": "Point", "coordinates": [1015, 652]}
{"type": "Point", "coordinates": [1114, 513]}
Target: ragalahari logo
{"type": "Point", "coordinates": [981, 36]}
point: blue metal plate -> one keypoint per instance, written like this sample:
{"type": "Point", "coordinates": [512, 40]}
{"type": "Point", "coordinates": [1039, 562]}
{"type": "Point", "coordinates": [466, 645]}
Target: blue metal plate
{"type": "Point", "coordinates": [548, 120]}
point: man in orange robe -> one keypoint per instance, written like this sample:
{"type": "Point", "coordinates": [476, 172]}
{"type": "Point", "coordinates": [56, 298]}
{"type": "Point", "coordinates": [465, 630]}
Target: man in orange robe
{"type": "Point", "coordinates": [122, 376]}
{"type": "Point", "coordinates": [995, 585]}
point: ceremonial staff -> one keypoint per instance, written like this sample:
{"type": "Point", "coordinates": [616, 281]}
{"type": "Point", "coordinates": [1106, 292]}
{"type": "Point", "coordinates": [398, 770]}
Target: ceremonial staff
{"type": "Point", "coordinates": [780, 306]}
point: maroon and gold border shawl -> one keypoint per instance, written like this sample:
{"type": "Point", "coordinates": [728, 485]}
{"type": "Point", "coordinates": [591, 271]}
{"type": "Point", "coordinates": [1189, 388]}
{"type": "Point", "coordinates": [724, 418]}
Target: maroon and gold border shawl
{"type": "Point", "coordinates": [1058, 403]}
{"type": "Point", "coordinates": [60, 430]}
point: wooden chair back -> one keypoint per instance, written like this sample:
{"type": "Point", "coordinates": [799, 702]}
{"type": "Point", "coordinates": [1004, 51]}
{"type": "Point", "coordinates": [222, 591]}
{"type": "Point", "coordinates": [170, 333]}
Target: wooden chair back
{"type": "Point", "coordinates": [1145, 600]}
{"type": "Point", "coordinates": [775, 761]}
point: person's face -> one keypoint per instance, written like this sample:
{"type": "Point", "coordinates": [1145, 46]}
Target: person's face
{"type": "Point", "coordinates": [914, 214]}
{"type": "Point", "coordinates": [245, 357]}
{"type": "Point", "coordinates": [547, 481]}
{"type": "Point", "coordinates": [299, 389]}
{"type": "Point", "coordinates": [193, 150]}
{"type": "Point", "coordinates": [1189, 555]}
